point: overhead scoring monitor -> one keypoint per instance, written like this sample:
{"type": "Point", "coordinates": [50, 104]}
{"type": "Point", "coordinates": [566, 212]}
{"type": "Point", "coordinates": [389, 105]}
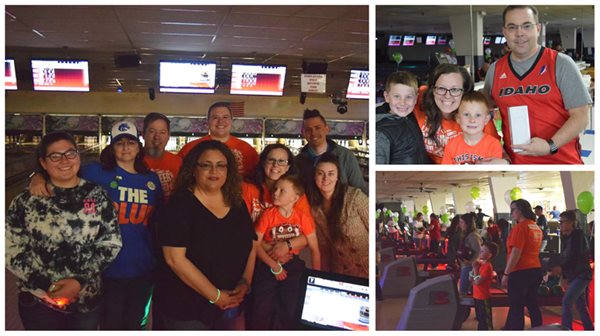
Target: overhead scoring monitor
{"type": "Point", "coordinates": [10, 75]}
{"type": "Point", "coordinates": [257, 79]}
{"type": "Point", "coordinates": [358, 84]}
{"type": "Point", "coordinates": [60, 75]}
{"type": "Point", "coordinates": [409, 40]}
{"type": "Point", "coordinates": [395, 41]}
{"type": "Point", "coordinates": [187, 77]}
{"type": "Point", "coordinates": [430, 40]}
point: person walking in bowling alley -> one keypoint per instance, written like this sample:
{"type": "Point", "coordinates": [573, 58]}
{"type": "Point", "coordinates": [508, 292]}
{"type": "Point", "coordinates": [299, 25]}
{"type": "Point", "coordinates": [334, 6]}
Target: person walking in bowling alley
{"type": "Point", "coordinates": [523, 273]}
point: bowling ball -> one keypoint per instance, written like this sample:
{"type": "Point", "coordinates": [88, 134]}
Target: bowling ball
{"type": "Point", "coordinates": [557, 291]}
{"type": "Point", "coordinates": [543, 290]}
{"type": "Point", "coordinates": [464, 253]}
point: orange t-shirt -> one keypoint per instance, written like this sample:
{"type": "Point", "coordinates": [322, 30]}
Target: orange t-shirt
{"type": "Point", "coordinates": [449, 129]}
{"type": "Point", "coordinates": [251, 196]}
{"type": "Point", "coordinates": [275, 227]}
{"type": "Point", "coordinates": [245, 155]}
{"type": "Point", "coordinates": [167, 169]}
{"type": "Point", "coordinates": [457, 151]}
{"type": "Point", "coordinates": [527, 237]}
{"type": "Point", "coordinates": [482, 290]}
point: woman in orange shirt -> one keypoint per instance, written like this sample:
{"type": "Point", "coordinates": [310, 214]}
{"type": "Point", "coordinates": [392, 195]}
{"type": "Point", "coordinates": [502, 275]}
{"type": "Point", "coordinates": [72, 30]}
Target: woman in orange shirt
{"type": "Point", "coordinates": [438, 105]}
{"type": "Point", "coordinates": [523, 273]}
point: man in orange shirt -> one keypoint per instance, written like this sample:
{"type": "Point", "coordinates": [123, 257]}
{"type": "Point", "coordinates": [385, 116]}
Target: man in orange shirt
{"type": "Point", "coordinates": [165, 164]}
{"type": "Point", "coordinates": [220, 120]}
{"type": "Point", "coordinates": [523, 273]}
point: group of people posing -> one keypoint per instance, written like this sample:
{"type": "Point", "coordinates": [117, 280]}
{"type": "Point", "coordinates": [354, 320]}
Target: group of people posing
{"type": "Point", "coordinates": [448, 122]}
{"type": "Point", "coordinates": [211, 236]}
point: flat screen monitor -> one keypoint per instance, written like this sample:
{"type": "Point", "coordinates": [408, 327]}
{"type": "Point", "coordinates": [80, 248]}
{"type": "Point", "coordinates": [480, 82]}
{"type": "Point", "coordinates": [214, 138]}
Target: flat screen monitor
{"type": "Point", "coordinates": [487, 40]}
{"type": "Point", "coordinates": [442, 40]}
{"type": "Point", "coordinates": [187, 77]}
{"type": "Point", "coordinates": [431, 39]}
{"type": "Point", "coordinates": [395, 41]}
{"type": "Point", "coordinates": [10, 74]}
{"type": "Point", "coordinates": [330, 301]}
{"type": "Point", "coordinates": [60, 75]}
{"type": "Point", "coordinates": [497, 40]}
{"type": "Point", "coordinates": [503, 40]}
{"type": "Point", "coordinates": [257, 79]}
{"type": "Point", "coordinates": [358, 84]}
{"type": "Point", "coordinates": [409, 40]}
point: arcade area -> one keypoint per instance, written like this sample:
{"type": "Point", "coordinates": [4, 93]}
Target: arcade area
{"type": "Point", "coordinates": [418, 278]}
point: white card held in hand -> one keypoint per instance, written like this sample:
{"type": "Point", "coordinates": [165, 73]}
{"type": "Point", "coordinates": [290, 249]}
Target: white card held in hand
{"type": "Point", "coordinates": [518, 118]}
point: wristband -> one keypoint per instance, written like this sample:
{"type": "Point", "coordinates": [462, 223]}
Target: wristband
{"type": "Point", "coordinates": [280, 269]}
{"type": "Point", "coordinates": [289, 244]}
{"type": "Point", "coordinates": [218, 297]}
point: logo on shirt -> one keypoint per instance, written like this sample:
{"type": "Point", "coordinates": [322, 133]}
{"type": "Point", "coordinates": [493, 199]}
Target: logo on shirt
{"type": "Point", "coordinates": [285, 231]}
{"type": "Point", "coordinates": [542, 70]}
{"type": "Point", "coordinates": [527, 90]}
{"type": "Point", "coordinates": [89, 206]}
{"type": "Point", "coordinates": [503, 76]}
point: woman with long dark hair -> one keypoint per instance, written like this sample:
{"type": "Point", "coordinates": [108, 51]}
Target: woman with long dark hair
{"type": "Point", "coordinates": [447, 84]}
{"type": "Point", "coordinates": [468, 250]}
{"type": "Point", "coordinates": [523, 273]}
{"type": "Point", "coordinates": [207, 239]}
{"type": "Point", "coordinates": [341, 215]}
{"type": "Point", "coordinates": [58, 246]}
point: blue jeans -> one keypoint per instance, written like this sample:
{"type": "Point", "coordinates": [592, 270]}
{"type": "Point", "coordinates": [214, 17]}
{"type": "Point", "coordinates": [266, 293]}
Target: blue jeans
{"type": "Point", "coordinates": [38, 316]}
{"type": "Point", "coordinates": [464, 284]}
{"type": "Point", "coordinates": [522, 292]}
{"type": "Point", "coordinates": [577, 294]}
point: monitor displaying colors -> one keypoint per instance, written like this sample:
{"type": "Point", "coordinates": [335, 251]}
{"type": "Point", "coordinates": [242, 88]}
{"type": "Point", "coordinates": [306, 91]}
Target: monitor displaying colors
{"type": "Point", "coordinates": [187, 77]}
{"type": "Point", "coordinates": [409, 40]}
{"type": "Point", "coordinates": [256, 79]}
{"type": "Point", "coordinates": [431, 39]}
{"type": "Point", "coordinates": [60, 75]}
{"type": "Point", "coordinates": [358, 84]}
{"type": "Point", "coordinates": [487, 40]}
{"type": "Point", "coordinates": [395, 41]}
{"type": "Point", "coordinates": [442, 40]}
{"type": "Point", "coordinates": [10, 75]}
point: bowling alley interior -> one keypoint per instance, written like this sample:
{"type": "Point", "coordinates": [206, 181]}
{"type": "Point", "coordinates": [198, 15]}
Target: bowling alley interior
{"type": "Point", "coordinates": [419, 270]}
{"type": "Point", "coordinates": [418, 38]}
{"type": "Point", "coordinates": [123, 62]}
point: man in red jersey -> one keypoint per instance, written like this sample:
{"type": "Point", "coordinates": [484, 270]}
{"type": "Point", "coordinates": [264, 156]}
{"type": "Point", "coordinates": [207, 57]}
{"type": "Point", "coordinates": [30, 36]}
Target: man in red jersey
{"type": "Point", "coordinates": [545, 81]}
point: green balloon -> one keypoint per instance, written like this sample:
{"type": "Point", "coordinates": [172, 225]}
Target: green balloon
{"type": "Point", "coordinates": [397, 56]}
{"type": "Point", "coordinates": [475, 192]}
{"type": "Point", "coordinates": [403, 209]}
{"type": "Point", "coordinates": [445, 217]}
{"type": "Point", "coordinates": [515, 193]}
{"type": "Point", "coordinates": [425, 209]}
{"type": "Point", "coordinates": [388, 213]}
{"type": "Point", "coordinates": [377, 214]}
{"type": "Point", "coordinates": [585, 202]}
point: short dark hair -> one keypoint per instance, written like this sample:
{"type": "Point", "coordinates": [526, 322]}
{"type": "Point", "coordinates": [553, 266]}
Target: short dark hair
{"type": "Point", "coordinates": [475, 97]}
{"type": "Point", "coordinates": [153, 116]}
{"type": "Point", "coordinates": [42, 149]}
{"type": "Point", "coordinates": [539, 207]}
{"type": "Point", "coordinates": [308, 113]}
{"type": "Point", "coordinates": [570, 216]}
{"type": "Point", "coordinates": [493, 247]}
{"type": "Point", "coordinates": [219, 104]}
{"type": "Point", "coordinates": [513, 7]}
{"type": "Point", "coordinates": [296, 183]}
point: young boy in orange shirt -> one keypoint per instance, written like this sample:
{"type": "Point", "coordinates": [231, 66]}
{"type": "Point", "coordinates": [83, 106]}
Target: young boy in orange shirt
{"type": "Point", "coordinates": [482, 277]}
{"type": "Point", "coordinates": [473, 145]}
{"type": "Point", "coordinates": [275, 286]}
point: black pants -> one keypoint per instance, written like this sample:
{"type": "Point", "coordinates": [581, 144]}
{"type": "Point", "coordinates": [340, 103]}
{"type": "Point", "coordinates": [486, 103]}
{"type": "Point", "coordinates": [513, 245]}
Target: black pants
{"type": "Point", "coordinates": [522, 292]}
{"type": "Point", "coordinates": [483, 311]}
{"type": "Point", "coordinates": [126, 303]}
{"type": "Point", "coordinates": [37, 316]}
{"type": "Point", "coordinates": [274, 302]}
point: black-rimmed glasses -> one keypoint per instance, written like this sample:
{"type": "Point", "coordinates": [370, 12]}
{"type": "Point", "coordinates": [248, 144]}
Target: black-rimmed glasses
{"type": "Point", "coordinates": [71, 154]}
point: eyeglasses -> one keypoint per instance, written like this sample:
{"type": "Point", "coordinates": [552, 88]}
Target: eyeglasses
{"type": "Point", "coordinates": [279, 162]}
{"type": "Point", "coordinates": [71, 154]}
{"type": "Point", "coordinates": [512, 28]}
{"type": "Point", "coordinates": [205, 166]}
{"type": "Point", "coordinates": [441, 91]}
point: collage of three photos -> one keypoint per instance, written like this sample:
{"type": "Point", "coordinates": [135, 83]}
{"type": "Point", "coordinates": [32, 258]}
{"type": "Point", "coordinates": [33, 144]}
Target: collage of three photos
{"type": "Point", "coordinates": [215, 167]}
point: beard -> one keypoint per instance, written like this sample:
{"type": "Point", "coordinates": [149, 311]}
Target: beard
{"type": "Point", "coordinates": [154, 152]}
